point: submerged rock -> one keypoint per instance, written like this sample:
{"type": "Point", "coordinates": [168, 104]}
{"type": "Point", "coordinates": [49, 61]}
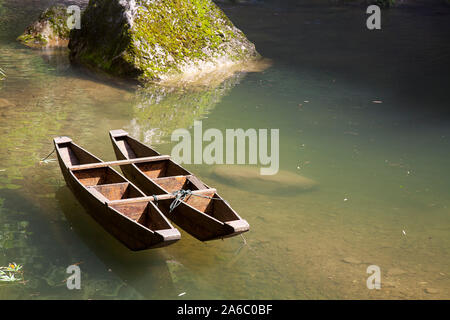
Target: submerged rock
{"type": "Point", "coordinates": [431, 290]}
{"type": "Point", "coordinates": [50, 30]}
{"type": "Point", "coordinates": [158, 40]}
{"type": "Point", "coordinates": [5, 103]}
{"type": "Point", "coordinates": [249, 178]}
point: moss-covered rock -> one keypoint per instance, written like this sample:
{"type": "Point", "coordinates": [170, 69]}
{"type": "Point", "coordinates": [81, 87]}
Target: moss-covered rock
{"type": "Point", "coordinates": [50, 30]}
{"type": "Point", "coordinates": [154, 40]}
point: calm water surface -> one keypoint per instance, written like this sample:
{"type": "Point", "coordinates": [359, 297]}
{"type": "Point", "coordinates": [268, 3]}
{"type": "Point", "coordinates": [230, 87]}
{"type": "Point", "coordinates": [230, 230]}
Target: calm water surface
{"type": "Point", "coordinates": [381, 168]}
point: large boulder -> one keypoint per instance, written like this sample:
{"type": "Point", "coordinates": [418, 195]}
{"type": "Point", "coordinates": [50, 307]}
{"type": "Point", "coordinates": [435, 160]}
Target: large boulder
{"type": "Point", "coordinates": [154, 40]}
{"type": "Point", "coordinates": [50, 29]}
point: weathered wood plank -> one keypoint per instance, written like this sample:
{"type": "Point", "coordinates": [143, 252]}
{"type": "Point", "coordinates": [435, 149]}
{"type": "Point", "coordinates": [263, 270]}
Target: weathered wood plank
{"type": "Point", "coordinates": [159, 197]}
{"type": "Point", "coordinates": [118, 162]}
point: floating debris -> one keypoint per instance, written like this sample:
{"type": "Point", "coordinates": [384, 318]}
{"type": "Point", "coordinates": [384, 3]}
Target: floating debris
{"type": "Point", "coordinates": [182, 294]}
{"type": "Point", "coordinates": [47, 161]}
{"type": "Point", "coordinates": [351, 260]}
{"type": "Point", "coordinates": [404, 232]}
{"type": "Point", "coordinates": [8, 274]}
{"type": "Point", "coordinates": [377, 101]}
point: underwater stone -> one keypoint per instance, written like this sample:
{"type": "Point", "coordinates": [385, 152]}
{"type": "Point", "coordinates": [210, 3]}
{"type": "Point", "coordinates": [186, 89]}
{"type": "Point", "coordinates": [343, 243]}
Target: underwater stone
{"type": "Point", "coordinates": [50, 30]}
{"type": "Point", "coordinates": [431, 291]}
{"type": "Point", "coordinates": [249, 178]}
{"type": "Point", "coordinates": [5, 103]}
{"type": "Point", "coordinates": [157, 40]}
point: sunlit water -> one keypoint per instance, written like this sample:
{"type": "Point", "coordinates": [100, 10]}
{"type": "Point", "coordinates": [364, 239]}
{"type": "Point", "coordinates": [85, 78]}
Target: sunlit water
{"type": "Point", "coordinates": [381, 168]}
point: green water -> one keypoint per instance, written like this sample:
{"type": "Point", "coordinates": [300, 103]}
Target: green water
{"type": "Point", "coordinates": [388, 160]}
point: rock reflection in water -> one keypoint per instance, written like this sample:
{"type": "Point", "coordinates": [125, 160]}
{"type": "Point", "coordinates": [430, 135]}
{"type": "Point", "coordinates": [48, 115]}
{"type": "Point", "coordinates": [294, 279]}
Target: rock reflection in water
{"type": "Point", "coordinates": [159, 110]}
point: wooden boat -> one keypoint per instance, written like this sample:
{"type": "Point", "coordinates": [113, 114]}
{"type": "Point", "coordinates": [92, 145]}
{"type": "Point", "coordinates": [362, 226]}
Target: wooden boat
{"type": "Point", "coordinates": [113, 201]}
{"type": "Point", "coordinates": [202, 213]}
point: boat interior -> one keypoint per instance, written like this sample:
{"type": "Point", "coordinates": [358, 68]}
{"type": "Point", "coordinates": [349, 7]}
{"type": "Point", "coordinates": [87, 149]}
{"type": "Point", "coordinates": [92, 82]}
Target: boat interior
{"type": "Point", "coordinates": [217, 209]}
{"type": "Point", "coordinates": [172, 177]}
{"type": "Point", "coordinates": [161, 169]}
{"type": "Point", "coordinates": [166, 173]}
{"type": "Point", "coordinates": [73, 155]}
{"type": "Point", "coordinates": [144, 213]}
{"type": "Point", "coordinates": [175, 183]}
{"type": "Point", "coordinates": [107, 184]}
{"type": "Point", "coordinates": [132, 148]}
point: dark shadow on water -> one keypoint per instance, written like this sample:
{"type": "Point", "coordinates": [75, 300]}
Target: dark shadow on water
{"type": "Point", "coordinates": [145, 271]}
{"type": "Point", "coordinates": [59, 59]}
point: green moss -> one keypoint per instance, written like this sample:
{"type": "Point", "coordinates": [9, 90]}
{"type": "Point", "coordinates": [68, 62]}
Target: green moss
{"type": "Point", "coordinates": [33, 39]}
{"type": "Point", "coordinates": [184, 34]}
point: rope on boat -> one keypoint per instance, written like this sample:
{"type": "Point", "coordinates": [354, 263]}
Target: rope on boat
{"type": "Point", "coordinates": [155, 198]}
{"type": "Point", "coordinates": [181, 195]}
{"type": "Point", "coordinates": [43, 159]}
{"type": "Point", "coordinates": [244, 243]}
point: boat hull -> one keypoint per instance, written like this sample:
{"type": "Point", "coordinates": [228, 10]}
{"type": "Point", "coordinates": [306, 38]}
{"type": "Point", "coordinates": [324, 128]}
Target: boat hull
{"type": "Point", "coordinates": [198, 224]}
{"type": "Point", "coordinates": [128, 232]}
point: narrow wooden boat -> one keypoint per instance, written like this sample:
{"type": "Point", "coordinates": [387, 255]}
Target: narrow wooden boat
{"type": "Point", "coordinates": [138, 224]}
{"type": "Point", "coordinates": [202, 212]}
